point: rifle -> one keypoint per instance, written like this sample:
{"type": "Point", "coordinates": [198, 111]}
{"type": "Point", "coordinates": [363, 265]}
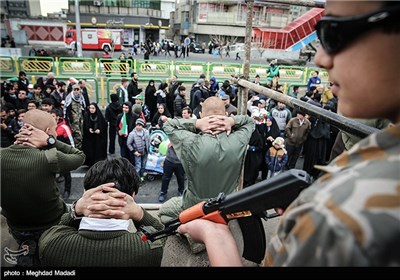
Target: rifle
{"type": "Point", "coordinates": [248, 206]}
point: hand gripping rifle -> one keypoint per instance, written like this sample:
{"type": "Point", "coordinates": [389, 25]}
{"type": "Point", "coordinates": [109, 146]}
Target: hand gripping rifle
{"type": "Point", "coordinates": [247, 205]}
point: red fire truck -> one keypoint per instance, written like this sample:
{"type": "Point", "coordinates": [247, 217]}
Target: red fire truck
{"type": "Point", "coordinates": [96, 39]}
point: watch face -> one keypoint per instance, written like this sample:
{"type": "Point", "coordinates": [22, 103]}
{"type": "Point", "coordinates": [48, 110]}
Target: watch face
{"type": "Point", "coordinates": [51, 140]}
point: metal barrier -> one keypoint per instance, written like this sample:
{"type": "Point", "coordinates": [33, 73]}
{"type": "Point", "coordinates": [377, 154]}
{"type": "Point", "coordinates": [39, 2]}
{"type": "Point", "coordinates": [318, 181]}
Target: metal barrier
{"type": "Point", "coordinates": [73, 66]}
{"type": "Point", "coordinates": [109, 71]}
{"type": "Point", "coordinates": [110, 67]}
{"type": "Point", "coordinates": [292, 74]}
{"type": "Point", "coordinates": [225, 70]}
{"type": "Point", "coordinates": [7, 64]}
{"type": "Point", "coordinates": [154, 68]}
{"type": "Point", "coordinates": [189, 69]}
{"type": "Point", "coordinates": [36, 65]}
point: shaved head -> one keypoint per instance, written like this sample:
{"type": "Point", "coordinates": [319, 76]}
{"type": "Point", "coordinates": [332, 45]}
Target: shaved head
{"type": "Point", "coordinates": [41, 120]}
{"type": "Point", "coordinates": [213, 106]}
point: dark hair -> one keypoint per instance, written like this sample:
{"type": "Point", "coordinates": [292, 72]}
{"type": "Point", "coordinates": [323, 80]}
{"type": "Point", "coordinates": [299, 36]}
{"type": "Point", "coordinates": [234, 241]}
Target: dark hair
{"type": "Point", "coordinates": [301, 112]}
{"type": "Point", "coordinates": [34, 102]}
{"type": "Point", "coordinates": [188, 109]}
{"type": "Point", "coordinates": [295, 88]}
{"type": "Point", "coordinates": [163, 86]}
{"type": "Point", "coordinates": [21, 111]}
{"type": "Point", "coordinates": [117, 170]}
{"type": "Point", "coordinates": [114, 97]}
{"type": "Point", "coordinates": [181, 88]}
{"type": "Point", "coordinates": [394, 27]}
{"type": "Point", "coordinates": [60, 84]}
{"type": "Point", "coordinates": [47, 101]}
{"type": "Point", "coordinates": [57, 112]}
{"type": "Point", "coordinates": [9, 106]}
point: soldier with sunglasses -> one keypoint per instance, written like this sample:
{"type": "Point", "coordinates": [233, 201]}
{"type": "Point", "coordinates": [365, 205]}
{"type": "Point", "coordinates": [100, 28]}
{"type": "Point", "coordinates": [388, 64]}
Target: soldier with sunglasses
{"type": "Point", "coordinates": [350, 216]}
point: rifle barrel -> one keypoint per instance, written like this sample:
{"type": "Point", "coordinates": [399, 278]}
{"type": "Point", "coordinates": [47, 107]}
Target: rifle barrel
{"type": "Point", "coordinates": [339, 121]}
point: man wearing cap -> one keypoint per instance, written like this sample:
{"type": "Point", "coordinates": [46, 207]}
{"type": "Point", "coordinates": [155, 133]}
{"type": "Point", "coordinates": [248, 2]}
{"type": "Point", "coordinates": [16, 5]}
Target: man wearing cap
{"type": "Point", "coordinates": [71, 81]}
{"type": "Point", "coordinates": [297, 131]}
{"type": "Point", "coordinates": [138, 143]}
{"type": "Point", "coordinates": [276, 157]}
{"type": "Point", "coordinates": [73, 111]}
{"type": "Point", "coordinates": [229, 108]}
{"type": "Point", "coordinates": [199, 91]}
{"type": "Point", "coordinates": [145, 109]}
{"type": "Point", "coordinates": [273, 70]}
{"type": "Point", "coordinates": [30, 91]}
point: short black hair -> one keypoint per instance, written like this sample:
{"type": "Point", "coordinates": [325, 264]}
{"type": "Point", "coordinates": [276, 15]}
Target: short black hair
{"type": "Point", "coordinates": [34, 102]}
{"type": "Point", "coordinates": [117, 170]}
{"type": "Point", "coordinates": [48, 101]}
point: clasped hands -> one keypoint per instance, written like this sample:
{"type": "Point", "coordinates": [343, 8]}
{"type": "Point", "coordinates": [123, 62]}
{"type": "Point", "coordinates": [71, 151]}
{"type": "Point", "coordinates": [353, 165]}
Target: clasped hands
{"type": "Point", "coordinates": [215, 124]}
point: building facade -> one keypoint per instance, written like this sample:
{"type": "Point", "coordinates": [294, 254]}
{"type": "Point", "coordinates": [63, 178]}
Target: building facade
{"type": "Point", "coordinates": [198, 19]}
{"type": "Point", "coordinates": [140, 19]}
{"type": "Point", "coordinates": [20, 8]}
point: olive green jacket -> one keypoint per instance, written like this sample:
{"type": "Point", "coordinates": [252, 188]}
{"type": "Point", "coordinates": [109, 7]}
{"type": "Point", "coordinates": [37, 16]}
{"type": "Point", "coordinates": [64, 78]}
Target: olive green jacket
{"type": "Point", "coordinates": [212, 163]}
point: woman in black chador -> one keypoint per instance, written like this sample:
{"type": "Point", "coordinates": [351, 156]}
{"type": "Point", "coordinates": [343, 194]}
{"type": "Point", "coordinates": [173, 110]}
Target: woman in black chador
{"type": "Point", "coordinates": [94, 135]}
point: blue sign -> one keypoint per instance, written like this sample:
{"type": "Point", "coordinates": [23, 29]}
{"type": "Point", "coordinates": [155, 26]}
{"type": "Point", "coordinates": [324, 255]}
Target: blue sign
{"type": "Point", "coordinates": [187, 41]}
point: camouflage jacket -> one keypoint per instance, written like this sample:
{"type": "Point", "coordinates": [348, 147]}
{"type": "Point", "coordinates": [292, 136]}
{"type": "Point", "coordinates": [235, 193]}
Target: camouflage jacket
{"type": "Point", "coordinates": [351, 215]}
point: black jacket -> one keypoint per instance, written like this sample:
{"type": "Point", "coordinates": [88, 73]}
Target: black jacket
{"type": "Point", "coordinates": [112, 112]}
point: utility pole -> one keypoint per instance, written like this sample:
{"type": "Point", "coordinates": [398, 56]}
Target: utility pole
{"type": "Point", "coordinates": [247, 48]}
{"type": "Point", "coordinates": [244, 91]}
{"type": "Point", "coordinates": [78, 29]}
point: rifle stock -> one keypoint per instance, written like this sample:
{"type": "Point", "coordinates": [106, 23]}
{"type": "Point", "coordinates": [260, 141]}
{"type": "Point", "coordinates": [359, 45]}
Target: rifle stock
{"type": "Point", "coordinates": [248, 206]}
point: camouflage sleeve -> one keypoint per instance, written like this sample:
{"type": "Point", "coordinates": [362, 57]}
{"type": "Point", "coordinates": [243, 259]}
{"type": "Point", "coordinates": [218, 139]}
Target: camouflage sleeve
{"type": "Point", "coordinates": [347, 219]}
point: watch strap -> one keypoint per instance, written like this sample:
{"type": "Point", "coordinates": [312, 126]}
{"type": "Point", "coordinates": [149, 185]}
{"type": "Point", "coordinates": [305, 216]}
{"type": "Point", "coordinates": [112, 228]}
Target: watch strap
{"type": "Point", "coordinates": [73, 213]}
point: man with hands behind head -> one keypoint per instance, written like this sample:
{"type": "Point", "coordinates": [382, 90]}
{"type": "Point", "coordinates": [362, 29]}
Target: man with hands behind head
{"type": "Point", "coordinates": [30, 199]}
{"type": "Point", "coordinates": [212, 151]}
{"type": "Point", "coordinates": [105, 236]}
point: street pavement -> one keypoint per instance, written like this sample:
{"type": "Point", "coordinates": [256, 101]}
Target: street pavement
{"type": "Point", "coordinates": [148, 191]}
{"type": "Point", "coordinates": [200, 57]}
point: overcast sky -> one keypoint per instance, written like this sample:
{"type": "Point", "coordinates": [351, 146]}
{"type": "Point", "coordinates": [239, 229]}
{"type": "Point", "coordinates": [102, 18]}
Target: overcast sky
{"type": "Point", "coordinates": [51, 6]}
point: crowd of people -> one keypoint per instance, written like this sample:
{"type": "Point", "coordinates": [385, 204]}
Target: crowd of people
{"type": "Point", "coordinates": [347, 217]}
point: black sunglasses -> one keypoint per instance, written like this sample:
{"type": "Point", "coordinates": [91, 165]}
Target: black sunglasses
{"type": "Point", "coordinates": [335, 33]}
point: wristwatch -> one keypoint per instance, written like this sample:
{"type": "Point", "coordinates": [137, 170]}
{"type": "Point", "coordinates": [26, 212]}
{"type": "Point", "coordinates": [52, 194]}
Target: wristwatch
{"type": "Point", "coordinates": [51, 140]}
{"type": "Point", "coordinates": [72, 212]}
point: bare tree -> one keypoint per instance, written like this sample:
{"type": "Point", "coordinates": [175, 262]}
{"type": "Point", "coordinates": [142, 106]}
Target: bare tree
{"type": "Point", "coordinates": [258, 45]}
{"type": "Point", "coordinates": [223, 41]}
